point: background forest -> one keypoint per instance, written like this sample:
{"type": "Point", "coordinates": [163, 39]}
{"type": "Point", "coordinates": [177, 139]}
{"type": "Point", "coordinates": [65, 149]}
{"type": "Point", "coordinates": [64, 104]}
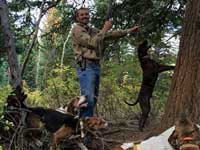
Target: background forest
{"type": "Point", "coordinates": [43, 45]}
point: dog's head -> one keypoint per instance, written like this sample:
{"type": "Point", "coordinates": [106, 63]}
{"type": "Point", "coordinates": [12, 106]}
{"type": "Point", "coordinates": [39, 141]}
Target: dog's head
{"type": "Point", "coordinates": [12, 100]}
{"type": "Point", "coordinates": [184, 126]}
{"type": "Point", "coordinates": [94, 123]}
{"type": "Point", "coordinates": [16, 98]}
{"type": "Point", "coordinates": [75, 104]}
{"type": "Point", "coordinates": [71, 106]}
{"type": "Point", "coordinates": [143, 49]}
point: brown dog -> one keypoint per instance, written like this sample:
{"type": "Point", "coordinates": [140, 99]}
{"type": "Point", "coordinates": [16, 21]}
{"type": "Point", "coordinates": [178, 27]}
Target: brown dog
{"type": "Point", "coordinates": [91, 123]}
{"type": "Point", "coordinates": [75, 104]}
{"type": "Point", "coordinates": [60, 125]}
{"type": "Point", "coordinates": [186, 135]}
{"type": "Point", "coordinates": [150, 70]}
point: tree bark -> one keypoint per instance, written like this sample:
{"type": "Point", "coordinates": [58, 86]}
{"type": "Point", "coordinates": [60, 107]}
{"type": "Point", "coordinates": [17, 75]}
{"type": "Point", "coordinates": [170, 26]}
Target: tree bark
{"type": "Point", "coordinates": [185, 88]}
{"type": "Point", "coordinates": [14, 68]}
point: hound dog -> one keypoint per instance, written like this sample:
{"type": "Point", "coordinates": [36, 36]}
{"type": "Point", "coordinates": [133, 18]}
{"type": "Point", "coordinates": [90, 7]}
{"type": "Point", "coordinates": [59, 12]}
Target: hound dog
{"type": "Point", "coordinates": [150, 72]}
{"type": "Point", "coordinates": [60, 125]}
{"type": "Point", "coordinates": [186, 135]}
{"type": "Point", "coordinates": [74, 106]}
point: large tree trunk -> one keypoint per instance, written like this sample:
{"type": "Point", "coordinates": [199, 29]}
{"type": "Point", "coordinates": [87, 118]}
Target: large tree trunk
{"type": "Point", "coordinates": [14, 68]}
{"type": "Point", "coordinates": [185, 89]}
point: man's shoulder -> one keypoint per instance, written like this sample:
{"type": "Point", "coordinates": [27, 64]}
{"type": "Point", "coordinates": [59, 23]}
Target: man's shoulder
{"type": "Point", "coordinates": [76, 26]}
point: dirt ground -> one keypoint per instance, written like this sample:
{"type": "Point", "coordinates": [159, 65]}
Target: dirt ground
{"type": "Point", "coordinates": [122, 132]}
{"type": "Point", "coordinates": [116, 134]}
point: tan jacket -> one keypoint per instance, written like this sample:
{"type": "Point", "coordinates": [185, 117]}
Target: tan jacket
{"type": "Point", "coordinates": [87, 42]}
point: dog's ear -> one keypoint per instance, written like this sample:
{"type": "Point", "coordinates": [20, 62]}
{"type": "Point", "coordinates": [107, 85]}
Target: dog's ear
{"type": "Point", "coordinates": [20, 94]}
{"type": "Point", "coordinates": [23, 97]}
{"type": "Point", "coordinates": [18, 90]}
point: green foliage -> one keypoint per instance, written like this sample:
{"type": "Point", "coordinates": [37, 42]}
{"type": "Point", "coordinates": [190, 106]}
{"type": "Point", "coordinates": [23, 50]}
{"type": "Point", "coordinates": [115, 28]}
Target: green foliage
{"type": "Point", "coordinates": [5, 90]}
{"type": "Point", "coordinates": [119, 84]}
{"type": "Point", "coordinates": [156, 17]}
{"type": "Point", "coordinates": [3, 71]}
{"type": "Point", "coordinates": [60, 88]}
{"type": "Point", "coordinates": [34, 97]}
{"type": "Point", "coordinates": [30, 71]}
{"type": "Point", "coordinates": [122, 81]}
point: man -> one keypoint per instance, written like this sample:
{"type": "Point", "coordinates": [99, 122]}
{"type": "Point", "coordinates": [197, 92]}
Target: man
{"type": "Point", "coordinates": [87, 45]}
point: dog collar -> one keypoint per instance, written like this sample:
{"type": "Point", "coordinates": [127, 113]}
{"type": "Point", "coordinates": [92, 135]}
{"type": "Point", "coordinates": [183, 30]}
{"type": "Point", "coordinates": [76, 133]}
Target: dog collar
{"type": "Point", "coordinates": [12, 108]}
{"type": "Point", "coordinates": [187, 142]}
{"type": "Point", "coordinates": [187, 139]}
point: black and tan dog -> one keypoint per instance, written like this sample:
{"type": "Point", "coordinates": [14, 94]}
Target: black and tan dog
{"type": "Point", "coordinates": [186, 135]}
{"type": "Point", "coordinates": [60, 125]}
{"type": "Point", "coordinates": [150, 72]}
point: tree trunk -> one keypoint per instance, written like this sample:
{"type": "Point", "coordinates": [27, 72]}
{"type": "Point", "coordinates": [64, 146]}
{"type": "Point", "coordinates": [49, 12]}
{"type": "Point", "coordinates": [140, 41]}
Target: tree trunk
{"type": "Point", "coordinates": [14, 68]}
{"type": "Point", "coordinates": [185, 89]}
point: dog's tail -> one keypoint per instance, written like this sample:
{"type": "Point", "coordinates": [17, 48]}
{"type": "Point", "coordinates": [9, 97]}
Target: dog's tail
{"type": "Point", "coordinates": [130, 104]}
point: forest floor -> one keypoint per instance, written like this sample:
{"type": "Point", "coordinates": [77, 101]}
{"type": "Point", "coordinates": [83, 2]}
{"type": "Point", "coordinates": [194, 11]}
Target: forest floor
{"type": "Point", "coordinates": [127, 131]}
{"type": "Point", "coordinates": [117, 133]}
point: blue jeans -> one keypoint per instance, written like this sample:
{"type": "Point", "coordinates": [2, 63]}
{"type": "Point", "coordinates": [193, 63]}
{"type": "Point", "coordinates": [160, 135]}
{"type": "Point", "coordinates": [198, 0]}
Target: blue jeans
{"type": "Point", "coordinates": [89, 86]}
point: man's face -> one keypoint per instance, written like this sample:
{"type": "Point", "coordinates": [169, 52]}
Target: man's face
{"type": "Point", "coordinates": [83, 16]}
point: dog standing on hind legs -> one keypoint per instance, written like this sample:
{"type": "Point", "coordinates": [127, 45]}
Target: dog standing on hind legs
{"type": "Point", "coordinates": [150, 72]}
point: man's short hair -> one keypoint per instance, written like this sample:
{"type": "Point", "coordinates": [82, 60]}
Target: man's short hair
{"type": "Point", "coordinates": [77, 11]}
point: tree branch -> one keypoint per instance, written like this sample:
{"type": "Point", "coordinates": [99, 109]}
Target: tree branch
{"type": "Point", "coordinates": [43, 10]}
